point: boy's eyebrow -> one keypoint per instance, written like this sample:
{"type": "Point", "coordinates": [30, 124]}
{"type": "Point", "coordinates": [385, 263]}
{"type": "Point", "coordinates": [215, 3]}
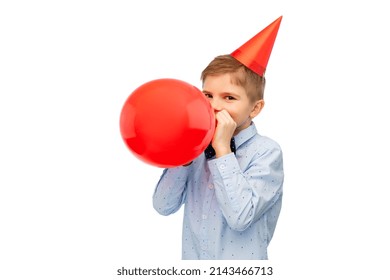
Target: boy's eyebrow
{"type": "Point", "coordinates": [226, 93]}
{"type": "Point", "coordinates": [231, 93]}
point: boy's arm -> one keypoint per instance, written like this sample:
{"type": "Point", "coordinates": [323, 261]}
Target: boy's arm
{"type": "Point", "coordinates": [245, 196]}
{"type": "Point", "coordinates": [170, 191]}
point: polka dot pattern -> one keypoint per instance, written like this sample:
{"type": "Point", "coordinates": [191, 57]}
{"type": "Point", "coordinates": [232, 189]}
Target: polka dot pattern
{"type": "Point", "coordinates": [232, 203]}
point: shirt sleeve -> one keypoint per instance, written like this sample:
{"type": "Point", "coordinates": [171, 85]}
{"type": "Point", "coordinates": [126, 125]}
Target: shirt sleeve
{"type": "Point", "coordinates": [170, 191]}
{"type": "Point", "coordinates": [245, 195]}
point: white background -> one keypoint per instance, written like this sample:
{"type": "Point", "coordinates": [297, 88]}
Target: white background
{"type": "Point", "coordinates": [76, 204]}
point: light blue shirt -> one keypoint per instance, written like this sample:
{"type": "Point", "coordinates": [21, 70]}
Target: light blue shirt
{"type": "Point", "coordinates": [232, 203]}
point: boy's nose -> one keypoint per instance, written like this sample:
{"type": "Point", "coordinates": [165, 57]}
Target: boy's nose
{"type": "Point", "coordinates": [216, 105]}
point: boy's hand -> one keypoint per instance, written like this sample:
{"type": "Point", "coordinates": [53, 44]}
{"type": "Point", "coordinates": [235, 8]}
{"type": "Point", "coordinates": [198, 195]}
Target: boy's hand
{"type": "Point", "coordinates": [223, 133]}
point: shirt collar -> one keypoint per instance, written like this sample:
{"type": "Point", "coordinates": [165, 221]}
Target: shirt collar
{"type": "Point", "coordinates": [245, 135]}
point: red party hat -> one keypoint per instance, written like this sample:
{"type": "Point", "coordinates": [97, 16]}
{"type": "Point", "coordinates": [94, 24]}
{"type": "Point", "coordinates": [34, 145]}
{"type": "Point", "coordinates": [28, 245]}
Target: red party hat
{"type": "Point", "coordinates": [255, 53]}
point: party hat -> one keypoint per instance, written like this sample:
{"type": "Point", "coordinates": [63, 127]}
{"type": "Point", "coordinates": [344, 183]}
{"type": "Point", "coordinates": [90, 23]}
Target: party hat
{"type": "Point", "coordinates": [255, 53]}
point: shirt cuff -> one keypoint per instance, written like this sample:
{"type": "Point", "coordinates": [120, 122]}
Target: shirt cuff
{"type": "Point", "coordinates": [224, 166]}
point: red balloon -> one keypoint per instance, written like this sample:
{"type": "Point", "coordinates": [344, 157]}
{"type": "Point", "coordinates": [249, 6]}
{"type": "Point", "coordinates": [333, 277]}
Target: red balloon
{"type": "Point", "coordinates": [167, 122]}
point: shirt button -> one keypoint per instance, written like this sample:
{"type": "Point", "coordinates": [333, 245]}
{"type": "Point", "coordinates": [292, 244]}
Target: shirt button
{"type": "Point", "coordinates": [204, 247]}
{"type": "Point", "coordinates": [211, 186]}
{"type": "Point", "coordinates": [204, 217]}
{"type": "Point", "coordinates": [222, 166]}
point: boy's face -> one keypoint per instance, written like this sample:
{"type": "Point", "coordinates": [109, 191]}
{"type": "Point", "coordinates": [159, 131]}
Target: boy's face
{"type": "Point", "coordinates": [224, 95]}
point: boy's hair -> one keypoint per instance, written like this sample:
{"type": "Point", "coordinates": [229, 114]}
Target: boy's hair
{"type": "Point", "coordinates": [253, 83]}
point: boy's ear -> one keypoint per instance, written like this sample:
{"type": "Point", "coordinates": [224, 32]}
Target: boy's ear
{"type": "Point", "coordinates": [258, 106]}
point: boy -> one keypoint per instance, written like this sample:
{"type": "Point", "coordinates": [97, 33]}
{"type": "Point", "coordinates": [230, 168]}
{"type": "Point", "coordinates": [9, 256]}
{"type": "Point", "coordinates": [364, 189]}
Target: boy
{"type": "Point", "coordinates": [232, 193]}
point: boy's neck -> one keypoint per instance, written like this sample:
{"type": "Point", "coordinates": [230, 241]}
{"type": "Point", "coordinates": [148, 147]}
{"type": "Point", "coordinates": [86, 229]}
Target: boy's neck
{"type": "Point", "coordinates": [243, 126]}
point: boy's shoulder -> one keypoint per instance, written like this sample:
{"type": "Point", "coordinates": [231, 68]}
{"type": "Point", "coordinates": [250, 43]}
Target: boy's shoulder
{"type": "Point", "coordinates": [251, 137]}
{"type": "Point", "coordinates": [265, 142]}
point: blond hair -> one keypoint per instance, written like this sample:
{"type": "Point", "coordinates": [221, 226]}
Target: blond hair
{"type": "Point", "coordinates": [253, 83]}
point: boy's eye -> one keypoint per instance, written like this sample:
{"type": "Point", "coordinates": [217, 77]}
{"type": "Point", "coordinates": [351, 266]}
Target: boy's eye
{"type": "Point", "coordinates": [230, 98]}
{"type": "Point", "coordinates": [208, 95]}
